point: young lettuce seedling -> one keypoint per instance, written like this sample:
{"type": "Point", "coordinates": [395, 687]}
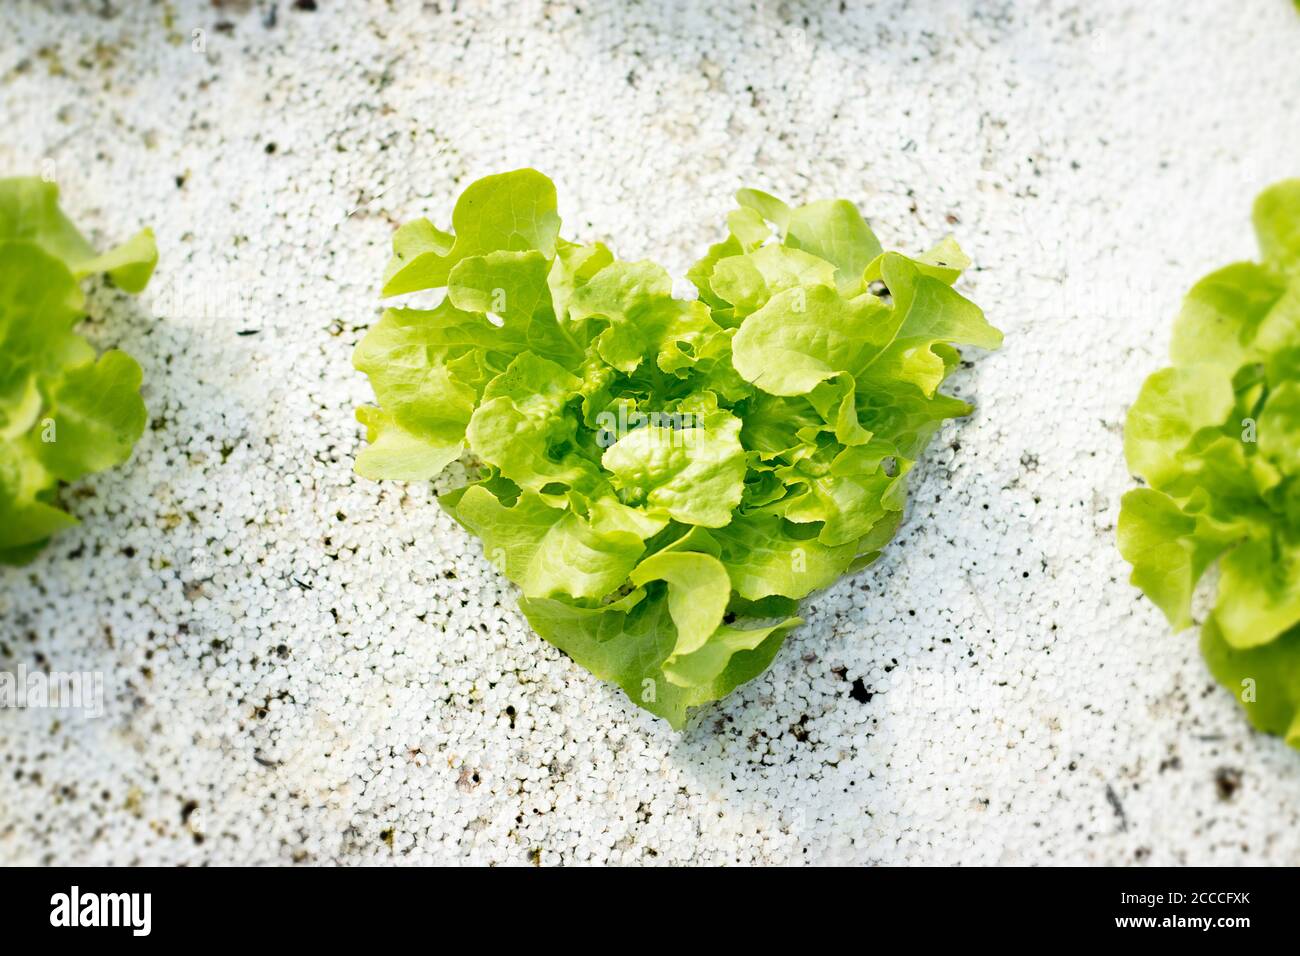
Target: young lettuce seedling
{"type": "Point", "coordinates": [665, 479]}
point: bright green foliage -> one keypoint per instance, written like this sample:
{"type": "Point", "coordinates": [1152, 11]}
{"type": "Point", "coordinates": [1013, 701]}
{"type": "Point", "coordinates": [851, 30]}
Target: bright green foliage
{"type": "Point", "coordinates": [1217, 439]}
{"type": "Point", "coordinates": [63, 412]}
{"type": "Point", "coordinates": [664, 479]}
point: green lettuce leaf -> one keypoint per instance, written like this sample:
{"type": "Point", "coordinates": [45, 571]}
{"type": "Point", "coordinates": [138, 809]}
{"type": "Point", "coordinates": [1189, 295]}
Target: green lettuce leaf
{"type": "Point", "coordinates": [1174, 404]}
{"type": "Point", "coordinates": [808, 334]}
{"type": "Point", "coordinates": [1216, 436]}
{"type": "Point", "coordinates": [692, 475]}
{"type": "Point", "coordinates": [545, 550]}
{"type": "Point", "coordinates": [1265, 679]}
{"type": "Point", "coordinates": [766, 555]}
{"type": "Point", "coordinates": [834, 230]}
{"type": "Point", "coordinates": [628, 642]}
{"type": "Point", "coordinates": [29, 212]}
{"type": "Point", "coordinates": [64, 413]}
{"type": "Point", "coordinates": [1277, 222]}
{"type": "Point", "coordinates": [664, 479]}
{"type": "Point", "coordinates": [511, 212]}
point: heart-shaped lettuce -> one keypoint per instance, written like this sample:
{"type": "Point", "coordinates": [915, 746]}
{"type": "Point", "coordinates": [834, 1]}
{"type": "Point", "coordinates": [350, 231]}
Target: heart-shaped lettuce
{"type": "Point", "coordinates": [1217, 438]}
{"type": "Point", "coordinates": [665, 479]}
{"type": "Point", "coordinates": [63, 412]}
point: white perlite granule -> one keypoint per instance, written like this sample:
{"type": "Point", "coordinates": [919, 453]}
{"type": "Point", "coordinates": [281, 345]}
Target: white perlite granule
{"type": "Point", "coordinates": [303, 666]}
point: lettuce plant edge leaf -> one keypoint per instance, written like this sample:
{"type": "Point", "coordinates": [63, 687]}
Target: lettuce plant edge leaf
{"type": "Point", "coordinates": [64, 412]}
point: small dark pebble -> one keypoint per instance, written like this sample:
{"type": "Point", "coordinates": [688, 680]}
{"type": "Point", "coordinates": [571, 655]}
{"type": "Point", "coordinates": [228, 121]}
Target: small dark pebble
{"type": "Point", "coordinates": [860, 692]}
{"type": "Point", "coordinates": [1227, 781]}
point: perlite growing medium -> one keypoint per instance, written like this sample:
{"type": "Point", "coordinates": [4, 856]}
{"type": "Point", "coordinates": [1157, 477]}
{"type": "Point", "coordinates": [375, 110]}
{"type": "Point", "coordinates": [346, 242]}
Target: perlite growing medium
{"type": "Point", "coordinates": [300, 665]}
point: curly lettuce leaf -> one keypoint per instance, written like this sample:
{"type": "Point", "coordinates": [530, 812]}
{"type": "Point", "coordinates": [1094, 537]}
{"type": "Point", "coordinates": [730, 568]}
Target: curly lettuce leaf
{"type": "Point", "coordinates": [29, 212]}
{"type": "Point", "coordinates": [665, 479]}
{"type": "Point", "coordinates": [834, 230]}
{"type": "Point", "coordinates": [511, 212]}
{"type": "Point", "coordinates": [1169, 549]}
{"type": "Point", "coordinates": [1277, 223]}
{"type": "Point", "coordinates": [98, 414]}
{"type": "Point", "coordinates": [766, 555]}
{"type": "Point", "coordinates": [627, 643]}
{"type": "Point", "coordinates": [808, 334]}
{"type": "Point", "coordinates": [804, 336]}
{"type": "Point", "coordinates": [1174, 404]}
{"type": "Point", "coordinates": [1216, 436]}
{"type": "Point", "coordinates": [64, 413]}
{"type": "Point", "coordinates": [692, 475]}
{"type": "Point", "coordinates": [546, 550]}
{"type": "Point", "coordinates": [1265, 679]}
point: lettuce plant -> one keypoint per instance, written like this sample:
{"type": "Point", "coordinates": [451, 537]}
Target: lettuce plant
{"type": "Point", "coordinates": [64, 412]}
{"type": "Point", "coordinates": [1216, 437]}
{"type": "Point", "coordinates": [663, 478]}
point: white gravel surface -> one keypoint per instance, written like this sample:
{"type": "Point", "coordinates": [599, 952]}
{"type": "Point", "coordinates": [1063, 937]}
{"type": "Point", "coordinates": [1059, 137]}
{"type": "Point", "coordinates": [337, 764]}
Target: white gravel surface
{"type": "Point", "coordinates": [302, 666]}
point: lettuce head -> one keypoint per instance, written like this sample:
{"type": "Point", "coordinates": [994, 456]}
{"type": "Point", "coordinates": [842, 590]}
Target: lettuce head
{"type": "Point", "coordinates": [665, 478]}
